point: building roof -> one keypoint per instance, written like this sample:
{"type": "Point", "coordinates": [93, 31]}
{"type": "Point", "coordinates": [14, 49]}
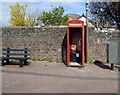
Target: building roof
{"type": "Point", "coordinates": [73, 16]}
{"type": "Point", "coordinates": [82, 18]}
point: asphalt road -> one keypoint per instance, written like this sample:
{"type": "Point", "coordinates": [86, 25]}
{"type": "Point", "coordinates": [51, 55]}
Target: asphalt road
{"type": "Point", "coordinates": [45, 77]}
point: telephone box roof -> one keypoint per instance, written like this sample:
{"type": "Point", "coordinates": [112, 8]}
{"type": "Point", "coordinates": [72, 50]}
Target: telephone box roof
{"type": "Point", "coordinates": [75, 23]}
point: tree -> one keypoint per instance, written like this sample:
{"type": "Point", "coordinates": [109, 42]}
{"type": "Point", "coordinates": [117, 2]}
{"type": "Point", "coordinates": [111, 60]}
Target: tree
{"type": "Point", "coordinates": [18, 15]}
{"type": "Point", "coordinates": [106, 12]}
{"type": "Point", "coordinates": [54, 17]}
{"type": "Point", "coordinates": [32, 18]}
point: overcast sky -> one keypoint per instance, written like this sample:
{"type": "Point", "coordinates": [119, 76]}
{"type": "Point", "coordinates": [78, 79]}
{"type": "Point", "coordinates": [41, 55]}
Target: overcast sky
{"type": "Point", "coordinates": [70, 7]}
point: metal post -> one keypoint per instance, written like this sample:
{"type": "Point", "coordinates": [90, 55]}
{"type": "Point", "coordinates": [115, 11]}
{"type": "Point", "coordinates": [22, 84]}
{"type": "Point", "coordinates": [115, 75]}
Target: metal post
{"type": "Point", "coordinates": [87, 43]}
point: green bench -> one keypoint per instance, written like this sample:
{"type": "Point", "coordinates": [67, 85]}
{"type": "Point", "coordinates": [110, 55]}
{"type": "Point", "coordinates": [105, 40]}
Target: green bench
{"type": "Point", "coordinates": [15, 55]}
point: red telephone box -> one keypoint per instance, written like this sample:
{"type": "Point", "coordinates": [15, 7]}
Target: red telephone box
{"type": "Point", "coordinates": [75, 42]}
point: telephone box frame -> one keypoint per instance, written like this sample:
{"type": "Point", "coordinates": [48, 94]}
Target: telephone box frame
{"type": "Point", "coordinates": [75, 24]}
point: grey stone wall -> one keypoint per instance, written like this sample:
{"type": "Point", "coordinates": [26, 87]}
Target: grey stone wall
{"type": "Point", "coordinates": [43, 42]}
{"type": "Point", "coordinates": [98, 42]}
{"type": "Point", "coordinates": [50, 42]}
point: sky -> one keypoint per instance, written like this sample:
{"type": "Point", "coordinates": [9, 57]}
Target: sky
{"type": "Point", "coordinates": [70, 7]}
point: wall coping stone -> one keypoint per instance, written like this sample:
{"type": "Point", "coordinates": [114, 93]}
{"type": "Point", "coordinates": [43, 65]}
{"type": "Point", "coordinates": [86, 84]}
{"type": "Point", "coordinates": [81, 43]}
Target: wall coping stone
{"type": "Point", "coordinates": [34, 27]}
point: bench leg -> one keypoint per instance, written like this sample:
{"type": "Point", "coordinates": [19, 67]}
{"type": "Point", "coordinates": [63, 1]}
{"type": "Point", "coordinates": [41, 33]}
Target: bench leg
{"type": "Point", "coordinates": [112, 66]}
{"type": "Point", "coordinates": [2, 63]}
{"type": "Point", "coordinates": [7, 61]}
{"type": "Point", "coordinates": [21, 63]}
{"type": "Point", "coordinates": [26, 62]}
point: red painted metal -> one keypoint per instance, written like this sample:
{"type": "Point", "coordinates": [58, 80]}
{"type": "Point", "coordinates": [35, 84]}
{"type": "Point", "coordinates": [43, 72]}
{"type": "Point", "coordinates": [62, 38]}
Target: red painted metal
{"type": "Point", "coordinates": [83, 45]}
{"type": "Point", "coordinates": [75, 24]}
{"type": "Point", "coordinates": [68, 47]}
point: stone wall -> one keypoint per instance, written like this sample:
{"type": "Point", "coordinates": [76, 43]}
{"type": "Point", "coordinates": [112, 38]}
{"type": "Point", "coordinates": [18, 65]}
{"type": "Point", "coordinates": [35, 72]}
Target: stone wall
{"type": "Point", "coordinates": [50, 42]}
{"type": "Point", "coordinates": [98, 44]}
{"type": "Point", "coordinates": [44, 42]}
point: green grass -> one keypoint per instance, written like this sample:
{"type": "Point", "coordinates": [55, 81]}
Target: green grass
{"type": "Point", "coordinates": [59, 61]}
{"type": "Point", "coordinates": [37, 59]}
{"type": "Point", "coordinates": [43, 59]}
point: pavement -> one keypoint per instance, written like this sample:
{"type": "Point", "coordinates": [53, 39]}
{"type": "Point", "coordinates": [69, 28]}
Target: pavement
{"type": "Point", "coordinates": [51, 77]}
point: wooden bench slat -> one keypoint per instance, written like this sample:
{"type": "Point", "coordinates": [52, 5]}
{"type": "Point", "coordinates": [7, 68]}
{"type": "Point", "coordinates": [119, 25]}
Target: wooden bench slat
{"type": "Point", "coordinates": [15, 50]}
{"type": "Point", "coordinates": [14, 54]}
{"type": "Point", "coordinates": [22, 57]}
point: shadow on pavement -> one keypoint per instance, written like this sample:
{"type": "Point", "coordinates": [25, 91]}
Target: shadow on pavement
{"type": "Point", "coordinates": [58, 75]}
{"type": "Point", "coordinates": [102, 65]}
{"type": "Point", "coordinates": [17, 63]}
